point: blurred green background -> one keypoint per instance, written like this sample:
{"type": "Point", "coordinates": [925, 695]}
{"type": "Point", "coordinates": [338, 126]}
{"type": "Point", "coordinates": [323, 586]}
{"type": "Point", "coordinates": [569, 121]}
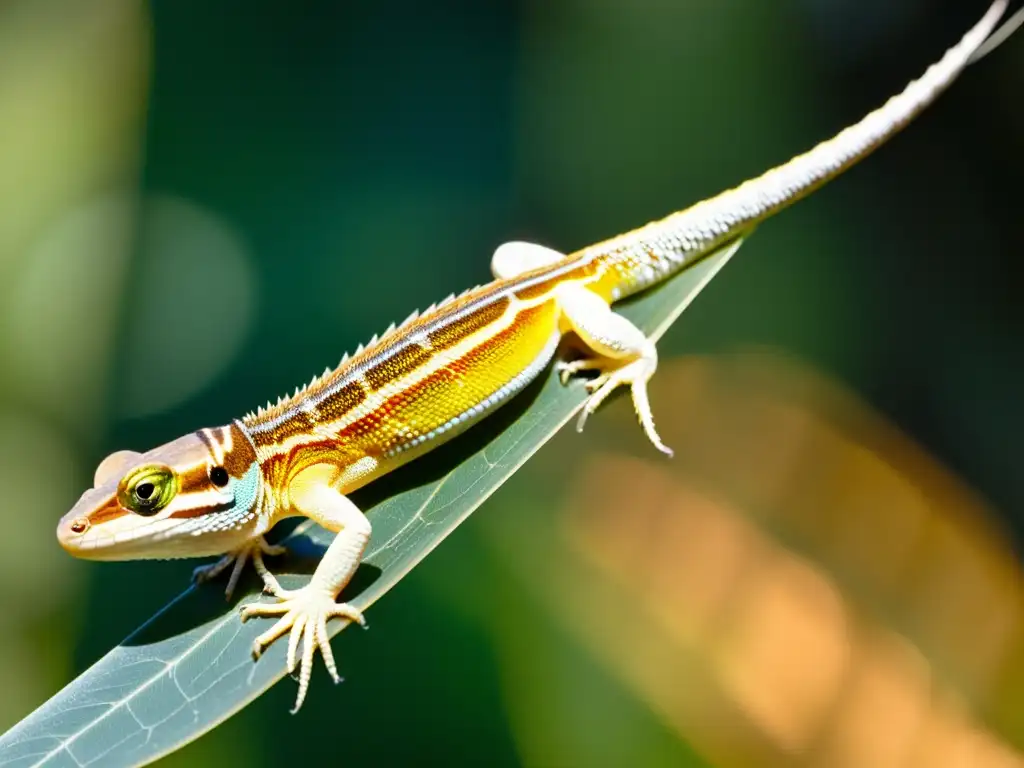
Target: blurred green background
{"type": "Point", "coordinates": [202, 204]}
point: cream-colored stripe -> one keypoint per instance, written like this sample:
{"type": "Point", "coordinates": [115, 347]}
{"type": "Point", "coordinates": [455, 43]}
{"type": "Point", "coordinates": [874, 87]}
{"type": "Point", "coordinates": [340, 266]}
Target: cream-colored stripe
{"type": "Point", "coordinates": [227, 444]}
{"type": "Point", "coordinates": [375, 400]}
{"type": "Point", "coordinates": [215, 445]}
{"type": "Point", "coordinates": [195, 499]}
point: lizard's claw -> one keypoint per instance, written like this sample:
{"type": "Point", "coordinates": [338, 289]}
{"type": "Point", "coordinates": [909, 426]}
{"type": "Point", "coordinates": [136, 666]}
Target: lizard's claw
{"type": "Point", "coordinates": [256, 549]}
{"type": "Point", "coordinates": [636, 374]}
{"type": "Point", "coordinates": [566, 368]}
{"type": "Point", "coordinates": [304, 612]}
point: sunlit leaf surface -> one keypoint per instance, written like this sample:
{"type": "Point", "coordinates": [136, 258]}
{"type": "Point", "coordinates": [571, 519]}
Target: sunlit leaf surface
{"type": "Point", "coordinates": [189, 668]}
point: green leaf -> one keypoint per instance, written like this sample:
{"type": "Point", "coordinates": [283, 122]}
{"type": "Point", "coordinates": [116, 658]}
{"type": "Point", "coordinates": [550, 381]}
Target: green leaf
{"type": "Point", "coordinates": [189, 667]}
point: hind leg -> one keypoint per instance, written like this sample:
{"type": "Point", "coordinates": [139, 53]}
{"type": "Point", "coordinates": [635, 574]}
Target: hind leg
{"type": "Point", "coordinates": [623, 355]}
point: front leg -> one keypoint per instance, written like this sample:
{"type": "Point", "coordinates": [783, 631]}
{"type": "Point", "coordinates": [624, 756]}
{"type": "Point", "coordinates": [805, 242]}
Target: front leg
{"type": "Point", "coordinates": [304, 612]}
{"type": "Point", "coordinates": [255, 549]}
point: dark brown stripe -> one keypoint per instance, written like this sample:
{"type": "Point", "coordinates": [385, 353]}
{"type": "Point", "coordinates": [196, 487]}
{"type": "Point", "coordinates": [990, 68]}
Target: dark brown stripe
{"type": "Point", "coordinates": [185, 514]}
{"type": "Point", "coordinates": [299, 423]}
{"type": "Point", "coordinates": [194, 480]}
{"type": "Point", "coordinates": [241, 457]}
{"type": "Point", "coordinates": [545, 286]}
{"type": "Point", "coordinates": [395, 365]}
{"type": "Point", "coordinates": [454, 331]}
{"type": "Point", "coordinates": [339, 403]}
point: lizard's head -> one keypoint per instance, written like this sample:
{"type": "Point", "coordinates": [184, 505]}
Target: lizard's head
{"type": "Point", "coordinates": [198, 495]}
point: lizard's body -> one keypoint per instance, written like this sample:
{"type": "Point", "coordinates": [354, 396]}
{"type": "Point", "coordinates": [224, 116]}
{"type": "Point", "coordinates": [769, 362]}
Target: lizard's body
{"type": "Point", "coordinates": [217, 491]}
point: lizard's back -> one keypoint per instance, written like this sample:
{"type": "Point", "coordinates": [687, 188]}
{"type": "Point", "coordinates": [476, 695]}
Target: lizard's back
{"type": "Point", "coordinates": [423, 382]}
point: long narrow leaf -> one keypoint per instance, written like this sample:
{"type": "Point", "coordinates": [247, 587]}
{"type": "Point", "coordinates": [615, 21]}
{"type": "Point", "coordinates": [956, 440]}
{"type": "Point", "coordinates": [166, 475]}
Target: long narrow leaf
{"type": "Point", "coordinates": [189, 667]}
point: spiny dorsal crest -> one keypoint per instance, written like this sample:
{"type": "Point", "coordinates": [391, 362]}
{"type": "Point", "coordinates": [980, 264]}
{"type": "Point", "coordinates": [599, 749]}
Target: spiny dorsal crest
{"type": "Point", "coordinates": [272, 410]}
{"type": "Point", "coordinates": [410, 319]}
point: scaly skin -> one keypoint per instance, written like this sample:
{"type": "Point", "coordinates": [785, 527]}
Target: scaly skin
{"type": "Point", "coordinates": [218, 491]}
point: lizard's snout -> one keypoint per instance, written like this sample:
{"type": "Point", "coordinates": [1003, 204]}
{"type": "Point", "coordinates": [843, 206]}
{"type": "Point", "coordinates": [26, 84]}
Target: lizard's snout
{"type": "Point", "coordinates": [73, 529]}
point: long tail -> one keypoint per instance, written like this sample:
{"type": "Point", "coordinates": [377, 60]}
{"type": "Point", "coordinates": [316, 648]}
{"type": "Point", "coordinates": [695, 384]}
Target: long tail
{"type": "Point", "coordinates": [660, 248]}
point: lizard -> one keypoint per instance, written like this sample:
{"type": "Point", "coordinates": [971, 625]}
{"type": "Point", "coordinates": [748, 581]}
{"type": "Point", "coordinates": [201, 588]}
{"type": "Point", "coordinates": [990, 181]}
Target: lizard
{"type": "Point", "coordinates": [217, 491]}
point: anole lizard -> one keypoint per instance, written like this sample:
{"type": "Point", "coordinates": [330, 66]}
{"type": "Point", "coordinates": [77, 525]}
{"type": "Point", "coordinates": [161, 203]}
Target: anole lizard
{"type": "Point", "coordinates": [217, 491]}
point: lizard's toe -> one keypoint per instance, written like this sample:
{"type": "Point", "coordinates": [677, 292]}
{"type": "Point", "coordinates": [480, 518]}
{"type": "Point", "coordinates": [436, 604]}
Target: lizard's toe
{"type": "Point", "coordinates": [304, 614]}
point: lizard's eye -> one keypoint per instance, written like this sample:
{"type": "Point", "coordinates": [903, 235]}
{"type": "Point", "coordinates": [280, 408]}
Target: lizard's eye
{"type": "Point", "coordinates": [219, 476]}
{"type": "Point", "coordinates": [146, 490]}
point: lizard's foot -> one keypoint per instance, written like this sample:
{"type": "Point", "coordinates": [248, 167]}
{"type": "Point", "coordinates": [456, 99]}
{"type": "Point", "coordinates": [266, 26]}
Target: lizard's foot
{"type": "Point", "coordinates": [636, 374]}
{"type": "Point", "coordinates": [256, 549]}
{"type": "Point", "coordinates": [566, 369]}
{"type": "Point", "coordinates": [304, 612]}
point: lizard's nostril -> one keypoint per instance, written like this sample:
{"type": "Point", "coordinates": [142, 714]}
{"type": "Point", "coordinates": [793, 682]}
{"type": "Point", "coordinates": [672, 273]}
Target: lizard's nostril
{"type": "Point", "coordinates": [80, 525]}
